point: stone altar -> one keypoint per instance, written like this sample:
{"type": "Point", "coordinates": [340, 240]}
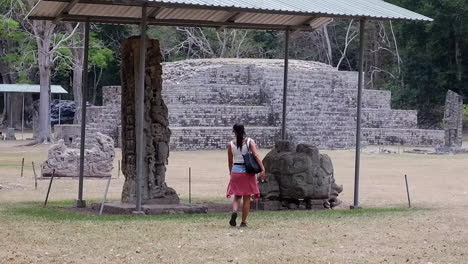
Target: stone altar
{"type": "Point", "coordinates": [66, 161]}
{"type": "Point", "coordinates": [298, 177]}
{"type": "Point", "coordinates": [156, 127]}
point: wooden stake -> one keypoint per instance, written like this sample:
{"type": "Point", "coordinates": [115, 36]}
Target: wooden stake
{"type": "Point", "coordinates": [22, 167]}
{"type": "Point", "coordinates": [48, 190]}
{"type": "Point", "coordinates": [35, 175]}
{"type": "Point", "coordinates": [407, 191]}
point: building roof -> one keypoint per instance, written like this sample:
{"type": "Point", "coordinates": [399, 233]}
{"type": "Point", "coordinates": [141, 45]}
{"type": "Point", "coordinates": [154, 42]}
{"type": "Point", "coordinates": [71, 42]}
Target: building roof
{"type": "Point", "coordinates": [255, 14]}
{"type": "Point", "coordinates": [29, 88]}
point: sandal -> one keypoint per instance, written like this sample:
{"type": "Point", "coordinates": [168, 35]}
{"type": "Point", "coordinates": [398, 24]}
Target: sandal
{"type": "Point", "coordinates": [232, 222]}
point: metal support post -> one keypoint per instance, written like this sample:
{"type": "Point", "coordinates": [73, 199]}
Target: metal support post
{"type": "Point", "coordinates": [104, 200]}
{"type": "Point", "coordinates": [80, 203]}
{"type": "Point", "coordinates": [285, 83]}
{"type": "Point", "coordinates": [362, 43]}
{"type": "Point", "coordinates": [22, 121]}
{"type": "Point", "coordinates": [11, 110]}
{"type": "Point", "coordinates": [140, 112]}
{"type": "Point", "coordinates": [60, 110]}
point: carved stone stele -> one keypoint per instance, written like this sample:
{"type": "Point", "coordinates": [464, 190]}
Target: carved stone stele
{"type": "Point", "coordinates": [156, 126]}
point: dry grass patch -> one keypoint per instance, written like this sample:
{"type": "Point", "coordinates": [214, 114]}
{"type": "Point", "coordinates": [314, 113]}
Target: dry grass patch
{"type": "Point", "coordinates": [30, 234]}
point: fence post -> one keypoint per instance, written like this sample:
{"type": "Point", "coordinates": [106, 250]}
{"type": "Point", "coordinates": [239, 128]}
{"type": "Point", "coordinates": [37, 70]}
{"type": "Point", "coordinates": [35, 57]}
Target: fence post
{"type": "Point", "coordinates": [22, 167]}
{"type": "Point", "coordinates": [35, 175]}
{"type": "Point", "coordinates": [48, 190]}
{"type": "Point", "coordinates": [407, 191]}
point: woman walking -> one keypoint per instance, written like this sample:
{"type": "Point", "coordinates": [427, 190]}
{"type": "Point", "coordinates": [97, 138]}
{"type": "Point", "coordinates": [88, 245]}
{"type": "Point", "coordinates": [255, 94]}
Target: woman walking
{"type": "Point", "coordinates": [242, 185]}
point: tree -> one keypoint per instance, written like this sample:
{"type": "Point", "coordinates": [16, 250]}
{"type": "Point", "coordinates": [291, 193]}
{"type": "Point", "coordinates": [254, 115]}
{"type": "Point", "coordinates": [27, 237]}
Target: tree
{"type": "Point", "coordinates": [47, 45]}
{"type": "Point", "coordinates": [432, 53]}
{"type": "Point", "coordinates": [15, 59]}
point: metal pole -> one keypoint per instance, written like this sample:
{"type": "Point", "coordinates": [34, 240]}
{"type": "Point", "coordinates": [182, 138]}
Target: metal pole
{"type": "Point", "coordinates": [140, 112]}
{"type": "Point", "coordinates": [407, 191]}
{"type": "Point", "coordinates": [285, 83]}
{"type": "Point", "coordinates": [60, 109]}
{"type": "Point", "coordinates": [105, 195]}
{"type": "Point", "coordinates": [80, 203]}
{"type": "Point", "coordinates": [11, 111]}
{"type": "Point", "coordinates": [50, 185]}
{"type": "Point", "coordinates": [118, 172]}
{"type": "Point", "coordinates": [22, 121]}
{"type": "Point", "coordinates": [362, 41]}
{"type": "Point", "coordinates": [190, 185]}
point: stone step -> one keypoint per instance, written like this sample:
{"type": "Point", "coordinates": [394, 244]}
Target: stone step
{"type": "Point", "coordinates": [219, 115]}
{"type": "Point", "coordinates": [329, 139]}
{"type": "Point", "coordinates": [344, 98]}
{"type": "Point", "coordinates": [371, 118]}
{"type": "Point", "coordinates": [213, 94]}
{"type": "Point", "coordinates": [205, 138]}
{"type": "Point", "coordinates": [406, 137]}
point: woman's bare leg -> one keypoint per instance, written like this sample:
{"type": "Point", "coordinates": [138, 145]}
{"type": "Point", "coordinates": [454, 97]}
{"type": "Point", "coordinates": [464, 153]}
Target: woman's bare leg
{"type": "Point", "coordinates": [245, 208]}
{"type": "Point", "coordinates": [236, 203]}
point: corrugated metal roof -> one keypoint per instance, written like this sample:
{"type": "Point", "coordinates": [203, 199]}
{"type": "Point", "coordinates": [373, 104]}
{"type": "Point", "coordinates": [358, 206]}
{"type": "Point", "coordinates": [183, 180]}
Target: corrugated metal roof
{"type": "Point", "coordinates": [274, 14]}
{"type": "Point", "coordinates": [29, 88]}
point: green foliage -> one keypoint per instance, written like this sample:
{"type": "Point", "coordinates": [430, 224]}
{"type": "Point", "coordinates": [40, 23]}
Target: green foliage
{"type": "Point", "coordinates": [465, 115]}
{"type": "Point", "coordinates": [99, 55]}
{"type": "Point", "coordinates": [61, 211]}
{"type": "Point", "coordinates": [433, 53]}
{"type": "Point", "coordinates": [17, 50]}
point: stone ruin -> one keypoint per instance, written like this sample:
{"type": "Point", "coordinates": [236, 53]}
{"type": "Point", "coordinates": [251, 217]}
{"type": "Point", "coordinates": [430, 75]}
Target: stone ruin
{"type": "Point", "coordinates": [298, 177]}
{"type": "Point", "coordinates": [453, 120]}
{"type": "Point", "coordinates": [156, 127]}
{"type": "Point", "coordinates": [105, 119]}
{"type": "Point", "coordinates": [205, 97]}
{"type": "Point", "coordinates": [453, 127]}
{"type": "Point", "coordinates": [66, 161]}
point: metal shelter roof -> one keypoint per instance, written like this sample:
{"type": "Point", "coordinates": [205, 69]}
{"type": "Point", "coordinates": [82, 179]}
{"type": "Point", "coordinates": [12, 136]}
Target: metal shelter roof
{"type": "Point", "coordinates": [258, 14]}
{"type": "Point", "coordinates": [29, 88]}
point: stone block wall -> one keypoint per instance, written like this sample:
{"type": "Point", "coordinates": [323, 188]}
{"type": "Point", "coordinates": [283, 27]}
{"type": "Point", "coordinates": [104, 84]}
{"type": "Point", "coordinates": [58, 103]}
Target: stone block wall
{"type": "Point", "coordinates": [206, 97]}
{"type": "Point", "coordinates": [104, 119]}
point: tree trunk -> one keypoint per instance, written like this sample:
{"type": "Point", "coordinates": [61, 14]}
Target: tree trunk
{"type": "Point", "coordinates": [44, 133]}
{"type": "Point", "coordinates": [43, 31]}
{"type": "Point", "coordinates": [77, 51]}
{"type": "Point", "coordinates": [16, 110]}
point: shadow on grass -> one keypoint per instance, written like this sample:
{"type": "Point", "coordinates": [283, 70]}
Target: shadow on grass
{"type": "Point", "coordinates": [60, 211]}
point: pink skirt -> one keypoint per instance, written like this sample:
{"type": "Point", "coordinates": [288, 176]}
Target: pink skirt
{"type": "Point", "coordinates": [242, 183]}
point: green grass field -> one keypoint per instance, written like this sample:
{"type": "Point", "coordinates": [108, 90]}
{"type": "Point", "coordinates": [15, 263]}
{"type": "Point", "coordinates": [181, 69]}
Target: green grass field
{"type": "Point", "coordinates": [385, 231]}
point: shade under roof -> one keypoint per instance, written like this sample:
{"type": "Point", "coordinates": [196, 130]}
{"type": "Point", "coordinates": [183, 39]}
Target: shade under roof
{"type": "Point", "coordinates": [258, 14]}
{"type": "Point", "coordinates": [29, 88]}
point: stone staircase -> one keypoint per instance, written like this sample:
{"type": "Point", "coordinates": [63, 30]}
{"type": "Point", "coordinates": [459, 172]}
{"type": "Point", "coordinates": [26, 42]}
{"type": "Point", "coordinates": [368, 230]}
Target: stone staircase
{"type": "Point", "coordinates": [206, 97]}
{"type": "Point", "coordinates": [202, 111]}
{"type": "Point", "coordinates": [210, 96]}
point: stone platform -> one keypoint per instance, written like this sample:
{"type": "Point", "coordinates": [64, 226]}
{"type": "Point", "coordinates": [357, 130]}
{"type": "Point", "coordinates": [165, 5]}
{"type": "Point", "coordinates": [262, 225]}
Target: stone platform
{"type": "Point", "coordinates": [151, 209]}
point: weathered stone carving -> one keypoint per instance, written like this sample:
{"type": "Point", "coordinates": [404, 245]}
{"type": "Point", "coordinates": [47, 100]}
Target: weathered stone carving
{"type": "Point", "coordinates": [66, 161]}
{"type": "Point", "coordinates": [300, 177]}
{"type": "Point", "coordinates": [453, 120]}
{"type": "Point", "coordinates": [156, 126]}
{"type": "Point", "coordinates": [10, 134]}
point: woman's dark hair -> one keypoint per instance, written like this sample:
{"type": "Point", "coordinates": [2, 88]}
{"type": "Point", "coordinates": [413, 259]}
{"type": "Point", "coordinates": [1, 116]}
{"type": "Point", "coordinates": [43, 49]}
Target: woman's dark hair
{"type": "Point", "coordinates": [239, 130]}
